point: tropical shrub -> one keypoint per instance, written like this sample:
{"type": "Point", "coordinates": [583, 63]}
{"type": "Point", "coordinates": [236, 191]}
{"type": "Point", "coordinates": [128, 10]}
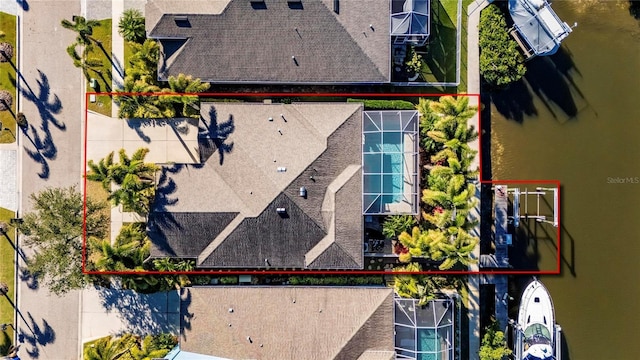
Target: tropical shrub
{"type": "Point", "coordinates": [415, 62]}
{"type": "Point", "coordinates": [336, 280]}
{"type": "Point", "coordinates": [414, 286]}
{"type": "Point", "coordinates": [501, 62]}
{"type": "Point", "coordinates": [384, 104]}
{"type": "Point", "coordinates": [395, 225]}
{"type": "Point", "coordinates": [494, 344]}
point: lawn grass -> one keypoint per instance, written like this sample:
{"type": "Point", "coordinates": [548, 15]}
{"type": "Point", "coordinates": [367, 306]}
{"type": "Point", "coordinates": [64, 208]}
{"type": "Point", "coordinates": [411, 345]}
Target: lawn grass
{"type": "Point", "coordinates": [439, 54]}
{"type": "Point", "coordinates": [101, 33]}
{"type": "Point", "coordinates": [7, 268]}
{"type": "Point", "coordinates": [97, 193]}
{"type": "Point", "coordinates": [8, 78]}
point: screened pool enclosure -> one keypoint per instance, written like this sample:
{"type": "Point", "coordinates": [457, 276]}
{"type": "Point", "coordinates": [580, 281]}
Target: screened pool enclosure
{"type": "Point", "coordinates": [425, 332]}
{"type": "Point", "coordinates": [390, 162]}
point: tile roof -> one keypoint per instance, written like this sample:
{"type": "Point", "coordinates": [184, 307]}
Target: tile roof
{"type": "Point", "coordinates": [228, 205]}
{"type": "Point", "coordinates": [245, 44]}
{"type": "Point", "coordinates": [288, 322]}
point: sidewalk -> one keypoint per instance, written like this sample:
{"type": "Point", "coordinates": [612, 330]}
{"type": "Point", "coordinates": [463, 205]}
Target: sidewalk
{"type": "Point", "coordinates": [473, 87]}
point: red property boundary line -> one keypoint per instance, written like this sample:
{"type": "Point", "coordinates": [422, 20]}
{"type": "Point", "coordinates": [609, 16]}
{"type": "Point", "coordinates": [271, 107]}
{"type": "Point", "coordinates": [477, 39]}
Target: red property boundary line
{"type": "Point", "coordinates": [319, 272]}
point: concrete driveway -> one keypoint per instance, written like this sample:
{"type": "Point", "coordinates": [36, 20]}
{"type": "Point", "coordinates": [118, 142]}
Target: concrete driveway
{"type": "Point", "coordinates": [113, 311]}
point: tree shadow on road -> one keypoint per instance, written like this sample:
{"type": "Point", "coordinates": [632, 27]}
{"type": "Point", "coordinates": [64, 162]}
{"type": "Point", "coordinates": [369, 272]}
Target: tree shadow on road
{"type": "Point", "coordinates": [23, 4]}
{"type": "Point", "coordinates": [38, 336]}
{"type": "Point", "coordinates": [31, 280]}
{"type": "Point", "coordinates": [43, 148]}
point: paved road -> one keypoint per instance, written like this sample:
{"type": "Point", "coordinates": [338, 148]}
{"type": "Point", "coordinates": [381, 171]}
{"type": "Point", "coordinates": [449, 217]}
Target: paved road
{"type": "Point", "coordinates": [51, 100]}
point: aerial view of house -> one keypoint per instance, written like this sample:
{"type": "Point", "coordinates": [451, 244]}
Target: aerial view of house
{"type": "Point", "coordinates": [316, 179]}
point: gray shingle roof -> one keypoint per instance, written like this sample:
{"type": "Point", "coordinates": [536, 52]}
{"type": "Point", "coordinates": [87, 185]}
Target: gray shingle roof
{"type": "Point", "coordinates": [288, 322]}
{"type": "Point", "coordinates": [232, 199]}
{"type": "Point", "coordinates": [244, 44]}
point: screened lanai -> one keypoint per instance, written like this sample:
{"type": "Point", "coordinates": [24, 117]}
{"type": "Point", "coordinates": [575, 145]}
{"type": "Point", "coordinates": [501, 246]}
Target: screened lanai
{"type": "Point", "coordinates": [425, 332]}
{"type": "Point", "coordinates": [410, 21]}
{"type": "Point", "coordinates": [390, 162]}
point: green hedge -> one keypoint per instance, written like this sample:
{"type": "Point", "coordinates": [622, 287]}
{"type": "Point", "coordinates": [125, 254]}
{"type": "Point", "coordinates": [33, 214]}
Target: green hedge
{"type": "Point", "coordinates": [385, 104]}
{"type": "Point", "coordinates": [336, 280]}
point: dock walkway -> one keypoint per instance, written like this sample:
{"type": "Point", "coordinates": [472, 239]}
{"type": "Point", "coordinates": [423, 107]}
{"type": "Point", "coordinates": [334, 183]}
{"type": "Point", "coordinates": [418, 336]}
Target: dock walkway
{"type": "Point", "coordinates": [501, 204]}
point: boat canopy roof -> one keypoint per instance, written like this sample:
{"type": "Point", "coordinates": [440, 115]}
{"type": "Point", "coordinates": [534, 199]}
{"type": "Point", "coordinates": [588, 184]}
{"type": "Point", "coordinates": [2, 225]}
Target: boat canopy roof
{"type": "Point", "coordinates": [537, 330]}
{"type": "Point", "coordinates": [539, 25]}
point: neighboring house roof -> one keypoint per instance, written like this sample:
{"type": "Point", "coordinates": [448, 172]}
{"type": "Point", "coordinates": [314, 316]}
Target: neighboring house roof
{"type": "Point", "coordinates": [288, 322]}
{"type": "Point", "coordinates": [238, 41]}
{"type": "Point", "coordinates": [225, 213]}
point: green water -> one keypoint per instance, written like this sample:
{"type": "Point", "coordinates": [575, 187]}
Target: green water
{"type": "Point", "coordinates": [581, 126]}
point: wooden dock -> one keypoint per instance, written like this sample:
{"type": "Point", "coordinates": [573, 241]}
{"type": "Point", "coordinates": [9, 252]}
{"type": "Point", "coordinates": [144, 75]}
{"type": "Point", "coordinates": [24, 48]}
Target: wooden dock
{"type": "Point", "coordinates": [502, 238]}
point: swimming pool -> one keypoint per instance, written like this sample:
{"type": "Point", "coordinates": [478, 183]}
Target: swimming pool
{"type": "Point", "coordinates": [389, 158]}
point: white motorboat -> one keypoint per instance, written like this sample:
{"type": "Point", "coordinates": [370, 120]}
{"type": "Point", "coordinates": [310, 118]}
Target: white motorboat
{"type": "Point", "coordinates": [537, 335]}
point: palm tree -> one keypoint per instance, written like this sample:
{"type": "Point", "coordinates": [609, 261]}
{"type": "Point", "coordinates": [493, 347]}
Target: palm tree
{"type": "Point", "coordinates": [110, 348]}
{"type": "Point", "coordinates": [131, 26]}
{"type": "Point", "coordinates": [128, 252]}
{"type": "Point", "coordinates": [5, 344]}
{"type": "Point", "coordinates": [146, 55]}
{"type": "Point", "coordinates": [134, 179]}
{"type": "Point", "coordinates": [186, 105]}
{"type": "Point", "coordinates": [446, 120]}
{"type": "Point", "coordinates": [6, 99]}
{"type": "Point", "coordinates": [83, 27]}
{"type": "Point", "coordinates": [422, 244]}
{"type": "Point", "coordinates": [133, 166]}
{"type": "Point", "coordinates": [101, 171]}
{"type": "Point", "coordinates": [459, 249]}
{"type": "Point", "coordinates": [414, 286]}
{"type": "Point", "coordinates": [139, 107]}
{"type": "Point", "coordinates": [456, 107]}
{"type": "Point", "coordinates": [148, 350]}
{"type": "Point", "coordinates": [449, 192]}
{"type": "Point", "coordinates": [6, 52]}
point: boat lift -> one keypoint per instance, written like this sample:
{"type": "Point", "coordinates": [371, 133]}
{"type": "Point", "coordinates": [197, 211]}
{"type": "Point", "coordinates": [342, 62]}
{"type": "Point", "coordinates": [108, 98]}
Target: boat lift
{"type": "Point", "coordinates": [539, 191]}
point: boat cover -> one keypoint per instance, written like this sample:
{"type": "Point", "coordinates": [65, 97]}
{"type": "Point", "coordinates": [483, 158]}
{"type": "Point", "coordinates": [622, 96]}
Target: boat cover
{"type": "Point", "coordinates": [539, 25]}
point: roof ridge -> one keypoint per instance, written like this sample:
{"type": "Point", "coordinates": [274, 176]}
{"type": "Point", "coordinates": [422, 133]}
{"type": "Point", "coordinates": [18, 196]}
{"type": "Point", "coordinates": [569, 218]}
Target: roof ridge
{"type": "Point", "coordinates": [328, 206]}
{"type": "Point", "coordinates": [220, 238]}
{"type": "Point", "coordinates": [306, 122]}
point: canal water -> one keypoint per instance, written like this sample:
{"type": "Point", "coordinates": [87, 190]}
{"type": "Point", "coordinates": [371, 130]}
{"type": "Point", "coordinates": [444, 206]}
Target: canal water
{"type": "Point", "coordinates": [576, 119]}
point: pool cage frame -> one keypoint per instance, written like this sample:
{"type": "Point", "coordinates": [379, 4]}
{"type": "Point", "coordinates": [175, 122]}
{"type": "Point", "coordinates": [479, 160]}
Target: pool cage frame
{"type": "Point", "coordinates": [451, 328]}
{"type": "Point", "coordinates": [376, 127]}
